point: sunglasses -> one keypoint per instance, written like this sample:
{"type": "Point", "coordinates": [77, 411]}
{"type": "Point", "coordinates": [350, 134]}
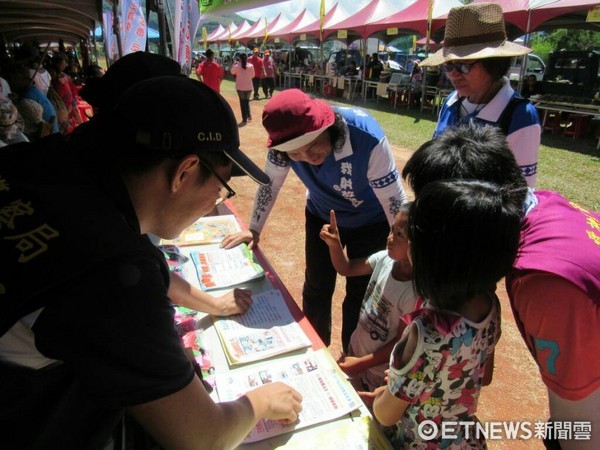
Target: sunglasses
{"type": "Point", "coordinates": [227, 192]}
{"type": "Point", "coordinates": [463, 68]}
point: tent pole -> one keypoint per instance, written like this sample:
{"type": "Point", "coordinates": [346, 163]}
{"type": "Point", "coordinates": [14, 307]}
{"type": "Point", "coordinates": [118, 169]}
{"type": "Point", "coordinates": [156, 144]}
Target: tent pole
{"type": "Point", "coordinates": [116, 28]}
{"type": "Point", "coordinates": [162, 27]}
{"type": "Point", "coordinates": [427, 37]}
{"type": "Point", "coordinates": [526, 42]}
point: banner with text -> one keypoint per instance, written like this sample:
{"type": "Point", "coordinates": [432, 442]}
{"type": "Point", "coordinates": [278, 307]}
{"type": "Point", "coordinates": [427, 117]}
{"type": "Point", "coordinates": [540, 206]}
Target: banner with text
{"type": "Point", "coordinates": [110, 40]}
{"type": "Point", "coordinates": [133, 27]}
{"type": "Point", "coordinates": [185, 22]}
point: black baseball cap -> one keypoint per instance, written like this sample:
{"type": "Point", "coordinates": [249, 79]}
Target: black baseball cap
{"type": "Point", "coordinates": [179, 116]}
{"type": "Point", "coordinates": [104, 92]}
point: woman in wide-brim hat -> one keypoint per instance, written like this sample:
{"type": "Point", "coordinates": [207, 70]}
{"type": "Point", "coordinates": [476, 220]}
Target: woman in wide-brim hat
{"type": "Point", "coordinates": [476, 55]}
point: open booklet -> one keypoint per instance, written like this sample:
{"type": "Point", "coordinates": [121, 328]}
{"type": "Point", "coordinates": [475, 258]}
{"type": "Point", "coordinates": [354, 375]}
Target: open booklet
{"type": "Point", "coordinates": [207, 230]}
{"type": "Point", "coordinates": [266, 329]}
{"type": "Point", "coordinates": [219, 268]}
{"type": "Point", "coordinates": [361, 433]}
{"type": "Point", "coordinates": [326, 393]}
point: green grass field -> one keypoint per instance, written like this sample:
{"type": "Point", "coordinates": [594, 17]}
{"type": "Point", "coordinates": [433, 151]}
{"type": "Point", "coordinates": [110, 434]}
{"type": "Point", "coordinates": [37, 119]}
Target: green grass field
{"type": "Point", "coordinates": [566, 165]}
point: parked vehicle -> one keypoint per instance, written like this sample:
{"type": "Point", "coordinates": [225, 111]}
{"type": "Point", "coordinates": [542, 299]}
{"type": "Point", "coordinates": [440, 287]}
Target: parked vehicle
{"type": "Point", "coordinates": [535, 66]}
{"type": "Point", "coordinates": [573, 74]}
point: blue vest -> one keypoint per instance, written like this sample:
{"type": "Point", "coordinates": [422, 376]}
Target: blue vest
{"type": "Point", "coordinates": [342, 184]}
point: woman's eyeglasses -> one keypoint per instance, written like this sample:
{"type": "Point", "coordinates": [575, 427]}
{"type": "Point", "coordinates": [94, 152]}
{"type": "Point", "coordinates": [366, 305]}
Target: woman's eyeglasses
{"type": "Point", "coordinates": [226, 191]}
{"type": "Point", "coordinates": [463, 68]}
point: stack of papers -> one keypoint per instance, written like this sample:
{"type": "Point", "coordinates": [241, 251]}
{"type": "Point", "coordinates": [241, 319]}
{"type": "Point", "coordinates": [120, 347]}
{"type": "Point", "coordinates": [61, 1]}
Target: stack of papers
{"type": "Point", "coordinates": [218, 268]}
{"type": "Point", "coordinates": [326, 393]}
{"type": "Point", "coordinates": [266, 329]}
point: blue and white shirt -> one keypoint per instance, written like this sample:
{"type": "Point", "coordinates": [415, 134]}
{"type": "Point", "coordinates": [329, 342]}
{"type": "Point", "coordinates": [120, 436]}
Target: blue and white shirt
{"type": "Point", "coordinates": [524, 132]}
{"type": "Point", "coordinates": [360, 182]}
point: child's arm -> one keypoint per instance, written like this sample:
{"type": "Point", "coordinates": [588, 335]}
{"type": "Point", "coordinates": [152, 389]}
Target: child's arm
{"type": "Point", "coordinates": [353, 365]}
{"type": "Point", "coordinates": [344, 266]}
{"type": "Point", "coordinates": [488, 371]}
{"type": "Point", "coordinates": [387, 407]}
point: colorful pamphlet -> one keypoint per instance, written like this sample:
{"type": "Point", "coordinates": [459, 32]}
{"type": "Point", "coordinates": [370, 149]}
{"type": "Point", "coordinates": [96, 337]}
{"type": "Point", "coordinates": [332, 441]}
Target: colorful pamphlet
{"type": "Point", "coordinates": [207, 230]}
{"type": "Point", "coordinates": [326, 393]}
{"type": "Point", "coordinates": [266, 329]}
{"type": "Point", "coordinates": [219, 268]}
{"type": "Point", "coordinates": [360, 433]}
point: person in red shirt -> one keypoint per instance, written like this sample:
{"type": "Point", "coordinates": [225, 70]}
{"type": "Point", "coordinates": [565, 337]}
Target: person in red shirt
{"type": "Point", "coordinates": [210, 72]}
{"type": "Point", "coordinates": [257, 63]}
{"type": "Point", "coordinates": [268, 82]}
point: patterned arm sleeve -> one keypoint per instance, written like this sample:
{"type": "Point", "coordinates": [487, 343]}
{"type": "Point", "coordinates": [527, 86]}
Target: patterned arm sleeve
{"type": "Point", "coordinates": [410, 381]}
{"type": "Point", "coordinates": [524, 136]}
{"type": "Point", "coordinates": [264, 200]}
{"type": "Point", "coordinates": [385, 180]}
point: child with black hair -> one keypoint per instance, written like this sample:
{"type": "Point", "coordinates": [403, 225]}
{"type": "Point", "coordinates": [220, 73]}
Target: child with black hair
{"type": "Point", "coordinates": [389, 295]}
{"type": "Point", "coordinates": [463, 237]}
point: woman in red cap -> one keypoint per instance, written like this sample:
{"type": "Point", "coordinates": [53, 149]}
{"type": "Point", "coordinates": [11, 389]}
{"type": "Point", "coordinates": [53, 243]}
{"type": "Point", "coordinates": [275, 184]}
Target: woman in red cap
{"type": "Point", "coordinates": [344, 159]}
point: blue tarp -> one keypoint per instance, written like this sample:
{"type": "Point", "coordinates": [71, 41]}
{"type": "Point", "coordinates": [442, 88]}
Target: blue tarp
{"type": "Point", "coordinates": [152, 33]}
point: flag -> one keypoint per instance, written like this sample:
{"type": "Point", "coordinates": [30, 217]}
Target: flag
{"type": "Point", "coordinates": [110, 40]}
{"type": "Point", "coordinates": [133, 27]}
{"type": "Point", "coordinates": [266, 32]}
{"type": "Point", "coordinates": [322, 18]}
{"type": "Point", "coordinates": [205, 37]}
{"type": "Point", "coordinates": [186, 21]}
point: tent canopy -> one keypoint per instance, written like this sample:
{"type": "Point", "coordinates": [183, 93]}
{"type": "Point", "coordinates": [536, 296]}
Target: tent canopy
{"type": "Point", "coordinates": [42, 21]}
{"type": "Point", "coordinates": [227, 32]}
{"type": "Point", "coordinates": [374, 11]}
{"type": "Point", "coordinates": [215, 33]}
{"type": "Point", "coordinates": [530, 15]}
{"type": "Point", "coordinates": [335, 15]}
{"type": "Point", "coordinates": [290, 30]}
{"type": "Point", "coordinates": [240, 31]}
{"type": "Point", "coordinates": [258, 26]}
{"type": "Point", "coordinates": [414, 17]}
{"type": "Point", "coordinates": [276, 24]}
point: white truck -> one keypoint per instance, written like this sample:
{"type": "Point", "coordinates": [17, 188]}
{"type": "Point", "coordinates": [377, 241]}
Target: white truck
{"type": "Point", "coordinates": [534, 66]}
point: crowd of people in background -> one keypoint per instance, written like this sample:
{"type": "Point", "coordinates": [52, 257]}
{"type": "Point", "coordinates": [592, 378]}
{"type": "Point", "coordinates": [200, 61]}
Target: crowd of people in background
{"type": "Point", "coordinates": [41, 87]}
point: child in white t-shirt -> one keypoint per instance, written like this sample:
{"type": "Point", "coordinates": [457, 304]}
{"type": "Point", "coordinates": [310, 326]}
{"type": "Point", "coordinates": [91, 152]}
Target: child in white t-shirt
{"type": "Point", "coordinates": [389, 295]}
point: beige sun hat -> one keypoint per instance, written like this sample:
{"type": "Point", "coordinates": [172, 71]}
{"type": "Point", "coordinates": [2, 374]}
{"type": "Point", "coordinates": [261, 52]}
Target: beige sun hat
{"type": "Point", "coordinates": [475, 32]}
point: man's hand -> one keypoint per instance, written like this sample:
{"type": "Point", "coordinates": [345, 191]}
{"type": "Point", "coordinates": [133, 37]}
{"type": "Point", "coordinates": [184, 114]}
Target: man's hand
{"type": "Point", "coordinates": [250, 237]}
{"type": "Point", "coordinates": [235, 302]}
{"type": "Point", "coordinates": [276, 401]}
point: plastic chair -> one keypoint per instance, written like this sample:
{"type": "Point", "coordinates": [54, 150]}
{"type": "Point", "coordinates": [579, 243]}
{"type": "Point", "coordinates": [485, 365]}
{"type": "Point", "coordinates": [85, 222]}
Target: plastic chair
{"type": "Point", "coordinates": [441, 99]}
{"type": "Point", "coordinates": [577, 125]}
{"type": "Point", "coordinates": [430, 98]}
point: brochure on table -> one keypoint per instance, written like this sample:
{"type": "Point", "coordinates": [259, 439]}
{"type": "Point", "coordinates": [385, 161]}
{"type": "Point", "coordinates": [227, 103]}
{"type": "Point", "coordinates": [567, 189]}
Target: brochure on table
{"type": "Point", "coordinates": [326, 393]}
{"type": "Point", "coordinates": [219, 268]}
{"type": "Point", "coordinates": [207, 230]}
{"type": "Point", "coordinates": [358, 433]}
{"type": "Point", "coordinates": [326, 418]}
{"type": "Point", "coordinates": [266, 329]}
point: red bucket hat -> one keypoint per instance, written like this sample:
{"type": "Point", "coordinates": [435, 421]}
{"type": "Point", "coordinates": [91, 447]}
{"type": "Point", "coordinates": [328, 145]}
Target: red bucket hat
{"type": "Point", "coordinates": [293, 119]}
